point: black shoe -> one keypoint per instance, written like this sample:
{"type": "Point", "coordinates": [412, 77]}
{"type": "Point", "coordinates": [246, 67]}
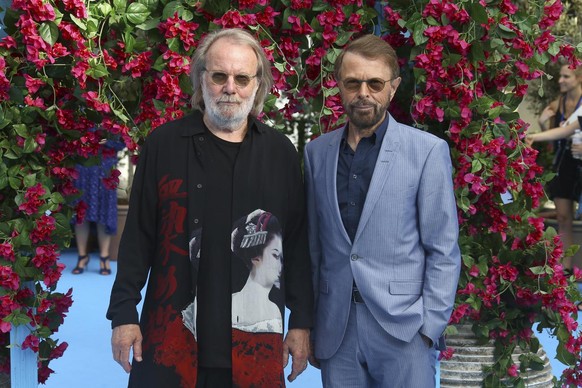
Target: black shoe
{"type": "Point", "coordinates": [79, 269]}
{"type": "Point", "coordinates": [105, 269]}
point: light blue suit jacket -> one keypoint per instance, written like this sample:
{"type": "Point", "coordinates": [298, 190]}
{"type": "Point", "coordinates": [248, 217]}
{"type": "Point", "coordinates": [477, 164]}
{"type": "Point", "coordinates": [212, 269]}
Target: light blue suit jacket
{"type": "Point", "coordinates": [405, 257]}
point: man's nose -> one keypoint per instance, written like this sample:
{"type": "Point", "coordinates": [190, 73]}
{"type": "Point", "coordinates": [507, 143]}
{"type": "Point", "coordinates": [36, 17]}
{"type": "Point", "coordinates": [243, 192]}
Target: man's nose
{"type": "Point", "coordinates": [230, 86]}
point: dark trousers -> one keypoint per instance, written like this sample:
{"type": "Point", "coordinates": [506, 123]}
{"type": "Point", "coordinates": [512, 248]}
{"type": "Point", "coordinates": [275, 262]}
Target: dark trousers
{"type": "Point", "coordinates": [214, 378]}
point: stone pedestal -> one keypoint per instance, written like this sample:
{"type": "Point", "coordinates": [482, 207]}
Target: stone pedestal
{"type": "Point", "coordinates": [465, 368]}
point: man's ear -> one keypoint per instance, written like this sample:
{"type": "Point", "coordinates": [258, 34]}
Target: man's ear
{"type": "Point", "coordinates": [394, 83]}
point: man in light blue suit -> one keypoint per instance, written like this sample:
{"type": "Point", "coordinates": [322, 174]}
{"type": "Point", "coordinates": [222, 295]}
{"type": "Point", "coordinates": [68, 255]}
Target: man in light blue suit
{"type": "Point", "coordinates": [383, 234]}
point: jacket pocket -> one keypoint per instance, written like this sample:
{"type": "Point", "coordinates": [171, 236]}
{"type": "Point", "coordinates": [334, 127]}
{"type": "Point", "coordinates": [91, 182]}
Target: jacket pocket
{"type": "Point", "coordinates": [406, 288]}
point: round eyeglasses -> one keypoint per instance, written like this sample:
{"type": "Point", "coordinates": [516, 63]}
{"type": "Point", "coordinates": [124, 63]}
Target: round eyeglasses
{"type": "Point", "coordinates": [220, 78]}
{"type": "Point", "coordinates": [374, 84]}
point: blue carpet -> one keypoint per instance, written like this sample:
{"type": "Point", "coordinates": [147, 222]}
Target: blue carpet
{"type": "Point", "coordinates": [87, 363]}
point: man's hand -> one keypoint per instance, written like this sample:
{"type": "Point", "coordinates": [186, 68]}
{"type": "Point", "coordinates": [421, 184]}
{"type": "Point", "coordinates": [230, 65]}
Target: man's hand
{"type": "Point", "coordinates": [125, 337]}
{"type": "Point", "coordinates": [296, 343]}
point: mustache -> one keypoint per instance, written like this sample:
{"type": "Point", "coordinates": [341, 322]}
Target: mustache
{"type": "Point", "coordinates": [228, 99]}
{"type": "Point", "coordinates": [361, 104]}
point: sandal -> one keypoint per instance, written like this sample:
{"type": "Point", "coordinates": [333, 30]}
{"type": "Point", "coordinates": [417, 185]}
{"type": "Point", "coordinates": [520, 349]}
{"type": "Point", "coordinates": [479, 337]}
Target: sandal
{"type": "Point", "coordinates": [105, 269]}
{"type": "Point", "coordinates": [80, 269]}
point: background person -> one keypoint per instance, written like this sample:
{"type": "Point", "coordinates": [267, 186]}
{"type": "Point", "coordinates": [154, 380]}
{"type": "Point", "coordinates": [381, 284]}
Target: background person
{"type": "Point", "coordinates": [101, 208]}
{"type": "Point", "coordinates": [565, 188]}
{"type": "Point", "coordinates": [383, 233]}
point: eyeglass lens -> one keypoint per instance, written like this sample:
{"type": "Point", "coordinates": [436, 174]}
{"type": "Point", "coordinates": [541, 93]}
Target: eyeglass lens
{"type": "Point", "coordinates": [374, 84]}
{"type": "Point", "coordinates": [220, 78]}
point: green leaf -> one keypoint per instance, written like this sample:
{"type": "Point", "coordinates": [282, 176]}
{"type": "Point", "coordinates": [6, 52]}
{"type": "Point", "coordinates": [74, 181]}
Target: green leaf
{"type": "Point", "coordinates": [29, 180]}
{"type": "Point", "coordinates": [174, 44]}
{"type": "Point", "coordinates": [17, 318]}
{"type": "Point", "coordinates": [120, 4]}
{"type": "Point", "coordinates": [49, 32]}
{"type": "Point", "coordinates": [81, 23]}
{"type": "Point", "coordinates": [571, 251]}
{"type": "Point", "coordinates": [97, 70]}
{"type": "Point", "coordinates": [476, 165]}
{"type": "Point", "coordinates": [104, 9]}
{"type": "Point", "coordinates": [15, 184]}
{"type": "Point", "coordinates": [216, 7]}
{"type": "Point", "coordinates": [418, 33]}
{"type": "Point", "coordinates": [29, 145]}
{"type": "Point", "coordinates": [477, 51]}
{"type": "Point", "coordinates": [172, 8]}
{"type": "Point", "coordinates": [129, 41]}
{"type": "Point", "coordinates": [478, 13]}
{"type": "Point", "coordinates": [149, 24]}
{"type": "Point", "coordinates": [57, 198]}
{"type": "Point", "coordinates": [538, 270]}
{"type": "Point", "coordinates": [119, 114]}
{"type": "Point", "coordinates": [137, 13]}
{"type": "Point", "coordinates": [151, 5]}
{"type": "Point", "coordinates": [21, 130]}
{"type": "Point", "coordinates": [505, 32]}
{"type": "Point", "coordinates": [564, 356]}
{"type": "Point", "coordinates": [343, 38]}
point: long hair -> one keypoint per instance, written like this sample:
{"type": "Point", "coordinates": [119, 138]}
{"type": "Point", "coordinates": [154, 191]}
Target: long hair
{"type": "Point", "coordinates": [235, 35]}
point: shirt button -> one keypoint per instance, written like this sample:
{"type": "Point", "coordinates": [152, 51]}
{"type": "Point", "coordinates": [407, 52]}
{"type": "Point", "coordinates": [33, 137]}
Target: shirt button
{"type": "Point", "coordinates": [355, 176]}
{"type": "Point", "coordinates": [199, 185]}
{"type": "Point", "coordinates": [354, 257]}
{"type": "Point", "coordinates": [196, 220]}
{"type": "Point", "coordinates": [201, 138]}
{"type": "Point", "coordinates": [353, 203]}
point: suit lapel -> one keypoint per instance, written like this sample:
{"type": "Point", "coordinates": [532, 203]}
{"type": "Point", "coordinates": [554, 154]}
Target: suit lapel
{"type": "Point", "coordinates": [331, 161]}
{"type": "Point", "coordinates": [381, 172]}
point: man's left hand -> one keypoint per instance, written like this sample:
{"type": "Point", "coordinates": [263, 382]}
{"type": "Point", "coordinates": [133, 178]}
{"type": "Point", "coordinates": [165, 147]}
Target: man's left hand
{"type": "Point", "coordinates": [297, 343]}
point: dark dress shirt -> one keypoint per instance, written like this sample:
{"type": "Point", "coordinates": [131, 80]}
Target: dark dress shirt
{"type": "Point", "coordinates": [354, 174]}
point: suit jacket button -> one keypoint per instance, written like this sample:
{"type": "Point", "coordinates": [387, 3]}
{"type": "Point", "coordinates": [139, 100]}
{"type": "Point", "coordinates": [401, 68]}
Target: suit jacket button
{"type": "Point", "coordinates": [354, 257]}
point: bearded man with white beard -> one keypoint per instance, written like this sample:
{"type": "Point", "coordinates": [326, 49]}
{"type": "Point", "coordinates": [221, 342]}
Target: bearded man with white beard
{"type": "Point", "coordinates": [205, 189]}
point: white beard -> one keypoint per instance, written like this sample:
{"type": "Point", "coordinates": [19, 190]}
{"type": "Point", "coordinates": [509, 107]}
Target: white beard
{"type": "Point", "coordinates": [227, 118]}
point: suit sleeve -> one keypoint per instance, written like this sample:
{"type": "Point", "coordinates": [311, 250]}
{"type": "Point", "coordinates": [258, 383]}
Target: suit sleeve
{"type": "Point", "coordinates": [298, 288]}
{"type": "Point", "coordinates": [439, 232]}
{"type": "Point", "coordinates": [138, 244]}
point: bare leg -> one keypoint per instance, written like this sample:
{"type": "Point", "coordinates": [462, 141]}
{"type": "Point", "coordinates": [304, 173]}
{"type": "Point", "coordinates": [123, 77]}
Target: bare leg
{"type": "Point", "coordinates": [104, 240]}
{"type": "Point", "coordinates": [104, 243]}
{"type": "Point", "coordinates": [82, 237]}
{"type": "Point", "coordinates": [565, 218]}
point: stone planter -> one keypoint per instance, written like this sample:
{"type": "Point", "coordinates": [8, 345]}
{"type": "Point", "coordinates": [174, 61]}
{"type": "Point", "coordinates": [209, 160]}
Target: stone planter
{"type": "Point", "coordinates": [465, 368]}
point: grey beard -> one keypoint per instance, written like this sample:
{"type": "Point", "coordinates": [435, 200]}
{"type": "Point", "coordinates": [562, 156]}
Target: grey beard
{"type": "Point", "coordinates": [230, 122]}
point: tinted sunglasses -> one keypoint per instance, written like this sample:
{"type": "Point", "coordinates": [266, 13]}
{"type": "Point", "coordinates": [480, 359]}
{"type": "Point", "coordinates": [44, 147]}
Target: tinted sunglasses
{"type": "Point", "coordinates": [374, 84]}
{"type": "Point", "coordinates": [219, 78]}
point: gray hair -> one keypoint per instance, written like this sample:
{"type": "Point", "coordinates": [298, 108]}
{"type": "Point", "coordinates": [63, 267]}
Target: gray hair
{"type": "Point", "coordinates": [236, 35]}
